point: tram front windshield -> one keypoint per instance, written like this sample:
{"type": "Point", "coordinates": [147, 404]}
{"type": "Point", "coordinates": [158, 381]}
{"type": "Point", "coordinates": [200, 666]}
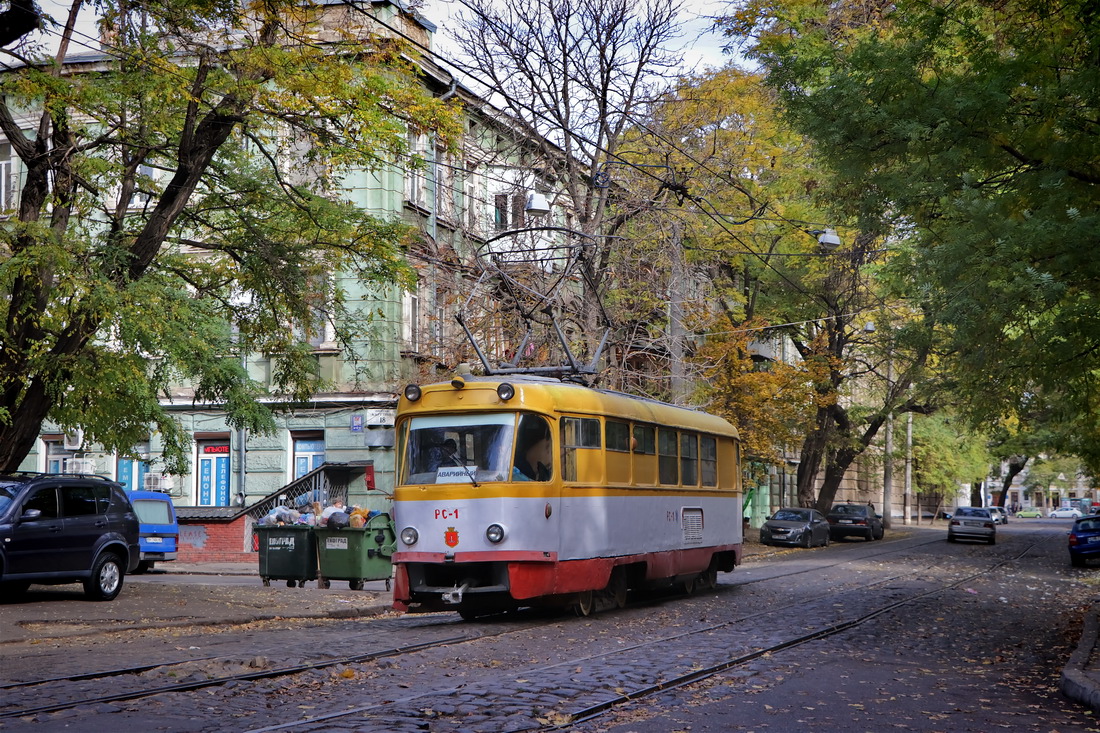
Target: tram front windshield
{"type": "Point", "coordinates": [459, 448]}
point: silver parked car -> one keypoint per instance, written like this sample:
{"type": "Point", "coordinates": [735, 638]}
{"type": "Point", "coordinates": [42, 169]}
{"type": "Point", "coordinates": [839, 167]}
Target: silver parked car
{"type": "Point", "coordinates": [972, 523]}
{"type": "Point", "coordinates": [795, 526]}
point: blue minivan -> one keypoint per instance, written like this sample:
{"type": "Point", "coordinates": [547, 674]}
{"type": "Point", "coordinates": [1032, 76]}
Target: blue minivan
{"type": "Point", "coordinates": [159, 530]}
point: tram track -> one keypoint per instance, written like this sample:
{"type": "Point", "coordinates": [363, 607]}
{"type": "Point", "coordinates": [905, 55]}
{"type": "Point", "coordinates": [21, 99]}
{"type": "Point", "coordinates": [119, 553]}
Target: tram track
{"type": "Point", "coordinates": [575, 717]}
{"type": "Point", "coordinates": [592, 712]}
{"type": "Point", "coordinates": [572, 718]}
{"type": "Point", "coordinates": [140, 669]}
{"type": "Point", "coordinates": [200, 684]}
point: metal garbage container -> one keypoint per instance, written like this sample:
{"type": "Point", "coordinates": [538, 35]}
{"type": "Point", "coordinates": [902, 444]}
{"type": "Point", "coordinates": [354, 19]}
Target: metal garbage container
{"type": "Point", "coordinates": [357, 554]}
{"type": "Point", "coordinates": [287, 553]}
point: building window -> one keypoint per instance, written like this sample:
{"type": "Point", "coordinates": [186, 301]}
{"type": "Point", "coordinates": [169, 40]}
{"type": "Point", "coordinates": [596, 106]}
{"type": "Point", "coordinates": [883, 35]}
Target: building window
{"type": "Point", "coordinates": [57, 456]}
{"type": "Point", "coordinates": [7, 178]}
{"type": "Point", "coordinates": [410, 324]}
{"type": "Point", "coordinates": [309, 453]}
{"type": "Point", "coordinates": [416, 179]}
{"type": "Point", "coordinates": [131, 472]}
{"type": "Point", "coordinates": [316, 329]}
{"type": "Point", "coordinates": [213, 472]}
{"type": "Point", "coordinates": [508, 211]}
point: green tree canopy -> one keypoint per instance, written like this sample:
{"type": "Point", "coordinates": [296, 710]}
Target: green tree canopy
{"type": "Point", "coordinates": [184, 200]}
{"type": "Point", "coordinates": [975, 129]}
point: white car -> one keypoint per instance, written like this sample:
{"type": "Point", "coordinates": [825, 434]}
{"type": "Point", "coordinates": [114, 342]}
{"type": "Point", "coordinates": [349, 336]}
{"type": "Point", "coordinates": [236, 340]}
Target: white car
{"type": "Point", "coordinates": [1065, 513]}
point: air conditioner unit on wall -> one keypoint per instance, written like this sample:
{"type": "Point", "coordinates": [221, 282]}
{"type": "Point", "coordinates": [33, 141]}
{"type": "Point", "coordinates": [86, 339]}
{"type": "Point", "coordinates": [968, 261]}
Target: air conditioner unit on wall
{"type": "Point", "coordinates": [74, 440]}
{"type": "Point", "coordinates": [80, 465]}
{"type": "Point", "coordinates": [158, 482]}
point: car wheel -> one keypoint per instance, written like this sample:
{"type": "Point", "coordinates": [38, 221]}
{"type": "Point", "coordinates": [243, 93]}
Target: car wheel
{"type": "Point", "coordinates": [950, 538]}
{"type": "Point", "coordinates": [806, 539]}
{"type": "Point", "coordinates": [1077, 562]}
{"type": "Point", "coordinates": [106, 580]}
{"type": "Point", "coordinates": [992, 540]}
{"type": "Point", "coordinates": [143, 567]}
{"type": "Point", "coordinates": [825, 542]}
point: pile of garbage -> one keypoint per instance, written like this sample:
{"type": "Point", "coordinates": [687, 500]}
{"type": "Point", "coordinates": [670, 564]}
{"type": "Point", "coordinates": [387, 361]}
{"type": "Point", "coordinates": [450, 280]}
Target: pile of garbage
{"type": "Point", "coordinates": [334, 516]}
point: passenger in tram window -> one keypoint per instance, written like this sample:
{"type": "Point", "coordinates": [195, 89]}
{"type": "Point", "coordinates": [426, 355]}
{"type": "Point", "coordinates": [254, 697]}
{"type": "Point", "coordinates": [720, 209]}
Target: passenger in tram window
{"type": "Point", "coordinates": [533, 456]}
{"type": "Point", "coordinates": [444, 454]}
{"type": "Point", "coordinates": [449, 456]}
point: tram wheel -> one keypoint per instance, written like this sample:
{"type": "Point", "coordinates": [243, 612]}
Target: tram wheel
{"type": "Point", "coordinates": [614, 595]}
{"type": "Point", "coordinates": [708, 580]}
{"type": "Point", "coordinates": [585, 604]}
{"type": "Point", "coordinates": [618, 588]}
{"type": "Point", "coordinates": [688, 586]}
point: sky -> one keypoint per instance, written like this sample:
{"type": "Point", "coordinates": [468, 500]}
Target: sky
{"type": "Point", "coordinates": [702, 44]}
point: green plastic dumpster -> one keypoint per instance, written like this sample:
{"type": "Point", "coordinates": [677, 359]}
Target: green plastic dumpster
{"type": "Point", "coordinates": [356, 554]}
{"type": "Point", "coordinates": [287, 553]}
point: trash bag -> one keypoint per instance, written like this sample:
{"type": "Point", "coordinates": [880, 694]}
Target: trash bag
{"type": "Point", "coordinates": [285, 515]}
{"type": "Point", "coordinates": [338, 520]}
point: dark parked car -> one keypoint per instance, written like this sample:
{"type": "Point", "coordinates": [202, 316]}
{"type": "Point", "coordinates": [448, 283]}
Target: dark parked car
{"type": "Point", "coordinates": [857, 520]}
{"type": "Point", "coordinates": [64, 528]}
{"type": "Point", "coordinates": [795, 526]}
{"type": "Point", "coordinates": [1084, 540]}
{"type": "Point", "coordinates": [972, 523]}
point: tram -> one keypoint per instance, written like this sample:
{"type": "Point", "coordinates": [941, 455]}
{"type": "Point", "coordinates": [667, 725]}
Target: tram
{"type": "Point", "coordinates": [539, 492]}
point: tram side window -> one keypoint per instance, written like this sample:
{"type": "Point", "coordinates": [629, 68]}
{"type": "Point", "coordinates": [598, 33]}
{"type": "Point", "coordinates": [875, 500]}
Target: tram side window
{"type": "Point", "coordinates": [645, 455]}
{"type": "Point", "coordinates": [534, 457]}
{"type": "Point", "coordinates": [617, 437]}
{"type": "Point", "coordinates": [667, 457]}
{"type": "Point", "coordinates": [577, 433]}
{"type": "Point", "coordinates": [708, 460]}
{"type": "Point", "coordinates": [689, 459]}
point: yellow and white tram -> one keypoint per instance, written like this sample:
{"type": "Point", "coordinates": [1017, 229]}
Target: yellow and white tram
{"type": "Point", "coordinates": [534, 491]}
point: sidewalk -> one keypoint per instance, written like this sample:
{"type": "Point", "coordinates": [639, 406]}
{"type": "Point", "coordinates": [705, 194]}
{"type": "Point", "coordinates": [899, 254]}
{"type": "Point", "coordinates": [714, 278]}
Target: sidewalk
{"type": "Point", "coordinates": [1081, 675]}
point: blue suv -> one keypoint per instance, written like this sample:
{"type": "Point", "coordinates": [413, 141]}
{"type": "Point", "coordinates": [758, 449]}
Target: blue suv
{"type": "Point", "coordinates": [66, 528]}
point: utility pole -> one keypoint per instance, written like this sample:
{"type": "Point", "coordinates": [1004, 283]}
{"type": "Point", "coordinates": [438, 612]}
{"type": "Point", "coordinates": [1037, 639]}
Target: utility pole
{"type": "Point", "coordinates": [888, 460]}
{"type": "Point", "coordinates": [909, 470]}
{"type": "Point", "coordinates": [678, 386]}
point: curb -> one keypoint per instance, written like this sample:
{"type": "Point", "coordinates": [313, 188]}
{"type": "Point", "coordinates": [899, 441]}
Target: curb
{"type": "Point", "coordinates": [1076, 684]}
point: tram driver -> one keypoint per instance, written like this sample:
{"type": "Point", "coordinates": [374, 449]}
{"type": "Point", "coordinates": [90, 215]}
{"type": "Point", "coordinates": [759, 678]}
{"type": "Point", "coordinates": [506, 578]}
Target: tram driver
{"type": "Point", "coordinates": [533, 450]}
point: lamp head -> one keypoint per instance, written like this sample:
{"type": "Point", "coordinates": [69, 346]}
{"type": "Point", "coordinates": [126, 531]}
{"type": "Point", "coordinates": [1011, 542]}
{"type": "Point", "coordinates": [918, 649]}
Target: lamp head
{"type": "Point", "coordinates": [537, 205]}
{"type": "Point", "coordinates": [828, 239]}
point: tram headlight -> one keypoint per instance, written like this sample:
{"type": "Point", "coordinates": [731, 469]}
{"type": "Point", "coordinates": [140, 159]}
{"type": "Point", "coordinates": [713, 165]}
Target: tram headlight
{"type": "Point", "coordinates": [494, 533]}
{"type": "Point", "coordinates": [505, 391]}
{"type": "Point", "coordinates": [412, 393]}
{"type": "Point", "coordinates": [409, 536]}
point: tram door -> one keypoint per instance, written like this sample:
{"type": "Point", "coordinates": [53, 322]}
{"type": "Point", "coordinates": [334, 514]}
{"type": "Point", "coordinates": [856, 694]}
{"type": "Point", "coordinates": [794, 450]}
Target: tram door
{"type": "Point", "coordinates": [213, 474]}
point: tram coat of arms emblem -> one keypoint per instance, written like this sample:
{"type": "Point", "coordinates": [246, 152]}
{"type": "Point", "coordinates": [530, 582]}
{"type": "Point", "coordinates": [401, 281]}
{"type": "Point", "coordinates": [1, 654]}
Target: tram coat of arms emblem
{"type": "Point", "coordinates": [450, 537]}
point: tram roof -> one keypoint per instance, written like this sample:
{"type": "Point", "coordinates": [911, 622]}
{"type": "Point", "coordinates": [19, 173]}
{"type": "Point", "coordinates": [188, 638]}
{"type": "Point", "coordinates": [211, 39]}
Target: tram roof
{"type": "Point", "coordinates": [579, 399]}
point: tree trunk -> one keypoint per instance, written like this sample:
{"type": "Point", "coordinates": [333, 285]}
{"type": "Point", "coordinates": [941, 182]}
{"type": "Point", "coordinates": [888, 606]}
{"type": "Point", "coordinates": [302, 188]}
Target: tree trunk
{"type": "Point", "coordinates": [1015, 466]}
